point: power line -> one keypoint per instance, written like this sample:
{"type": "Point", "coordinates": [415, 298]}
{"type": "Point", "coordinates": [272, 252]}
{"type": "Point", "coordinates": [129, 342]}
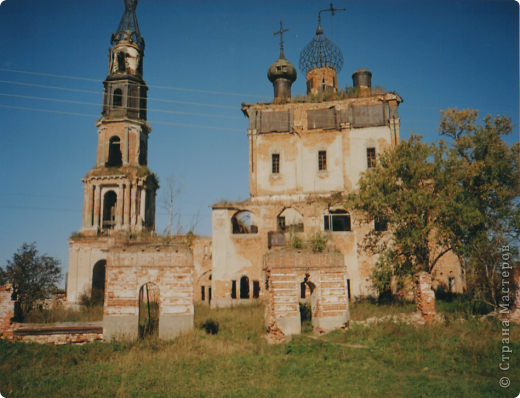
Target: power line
{"type": "Point", "coordinates": [100, 93]}
{"type": "Point", "coordinates": [148, 109]}
{"type": "Point", "coordinates": [161, 87]}
{"type": "Point", "coordinates": [96, 116]}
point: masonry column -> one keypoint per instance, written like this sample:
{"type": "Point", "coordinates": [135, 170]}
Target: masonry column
{"type": "Point", "coordinates": [143, 204]}
{"type": "Point", "coordinates": [126, 214]}
{"type": "Point", "coordinates": [86, 205]}
{"type": "Point", "coordinates": [89, 198]}
{"type": "Point", "coordinates": [127, 147]}
{"type": "Point", "coordinates": [97, 204]}
{"type": "Point", "coordinates": [119, 211]}
{"type": "Point", "coordinates": [133, 205]}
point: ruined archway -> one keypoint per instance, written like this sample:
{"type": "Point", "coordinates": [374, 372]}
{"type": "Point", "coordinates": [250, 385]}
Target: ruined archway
{"type": "Point", "coordinates": [98, 283]}
{"type": "Point", "coordinates": [289, 220]}
{"type": "Point", "coordinates": [149, 307]}
{"type": "Point", "coordinates": [307, 303]}
{"type": "Point", "coordinates": [243, 223]}
{"type": "Point", "coordinates": [109, 210]}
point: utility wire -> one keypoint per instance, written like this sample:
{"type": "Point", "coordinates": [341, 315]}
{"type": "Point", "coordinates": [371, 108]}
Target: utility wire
{"type": "Point", "coordinates": [148, 109]}
{"type": "Point", "coordinates": [161, 87]}
{"type": "Point", "coordinates": [100, 93]}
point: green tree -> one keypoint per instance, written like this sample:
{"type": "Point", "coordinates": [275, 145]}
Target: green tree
{"type": "Point", "coordinates": [412, 192]}
{"type": "Point", "coordinates": [33, 277]}
{"type": "Point", "coordinates": [460, 196]}
{"type": "Point", "coordinates": [489, 175]}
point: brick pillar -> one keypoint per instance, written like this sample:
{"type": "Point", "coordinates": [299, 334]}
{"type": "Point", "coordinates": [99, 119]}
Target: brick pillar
{"type": "Point", "coordinates": [97, 204]}
{"type": "Point", "coordinates": [6, 311]}
{"type": "Point", "coordinates": [424, 295]}
{"type": "Point", "coordinates": [127, 147]}
{"type": "Point", "coordinates": [119, 212]}
{"type": "Point", "coordinates": [126, 215]}
{"type": "Point", "coordinates": [86, 203]}
{"type": "Point", "coordinates": [133, 204]}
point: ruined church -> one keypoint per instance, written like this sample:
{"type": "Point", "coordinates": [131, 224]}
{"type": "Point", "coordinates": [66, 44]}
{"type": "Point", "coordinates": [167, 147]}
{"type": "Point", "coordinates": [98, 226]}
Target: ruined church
{"type": "Point", "coordinates": [305, 155]}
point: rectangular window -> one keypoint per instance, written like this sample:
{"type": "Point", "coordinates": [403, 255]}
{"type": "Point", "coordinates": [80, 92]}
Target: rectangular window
{"type": "Point", "coordinates": [281, 223]}
{"type": "Point", "coordinates": [233, 289]}
{"type": "Point", "coordinates": [256, 289]}
{"type": "Point", "coordinates": [380, 224]}
{"type": "Point", "coordinates": [202, 293]}
{"type": "Point", "coordinates": [276, 163]}
{"type": "Point", "coordinates": [371, 157]}
{"type": "Point", "coordinates": [337, 221]}
{"type": "Point", "coordinates": [322, 160]}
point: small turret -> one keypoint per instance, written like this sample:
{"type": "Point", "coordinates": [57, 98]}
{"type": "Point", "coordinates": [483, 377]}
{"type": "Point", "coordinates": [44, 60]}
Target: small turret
{"type": "Point", "coordinates": [282, 73]}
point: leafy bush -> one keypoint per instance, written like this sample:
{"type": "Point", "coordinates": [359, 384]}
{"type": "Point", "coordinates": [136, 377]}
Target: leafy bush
{"type": "Point", "coordinates": [318, 242]}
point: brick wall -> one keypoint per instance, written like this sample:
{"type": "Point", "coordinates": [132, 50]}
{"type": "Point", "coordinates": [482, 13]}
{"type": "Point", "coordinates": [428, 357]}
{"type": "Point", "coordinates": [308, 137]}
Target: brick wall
{"type": "Point", "coordinates": [6, 311]}
{"type": "Point", "coordinates": [424, 295]}
{"type": "Point", "coordinates": [285, 271]}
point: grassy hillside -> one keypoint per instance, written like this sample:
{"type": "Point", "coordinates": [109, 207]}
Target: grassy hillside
{"type": "Point", "coordinates": [387, 360]}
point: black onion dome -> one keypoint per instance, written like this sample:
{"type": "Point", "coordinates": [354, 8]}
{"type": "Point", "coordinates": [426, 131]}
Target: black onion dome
{"type": "Point", "coordinates": [282, 69]}
{"type": "Point", "coordinates": [319, 53]}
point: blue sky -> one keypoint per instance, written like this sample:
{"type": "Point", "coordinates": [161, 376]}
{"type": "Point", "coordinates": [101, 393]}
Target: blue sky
{"type": "Point", "coordinates": [203, 59]}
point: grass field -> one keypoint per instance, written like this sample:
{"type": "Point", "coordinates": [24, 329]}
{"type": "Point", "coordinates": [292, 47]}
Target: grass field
{"type": "Point", "coordinates": [387, 360]}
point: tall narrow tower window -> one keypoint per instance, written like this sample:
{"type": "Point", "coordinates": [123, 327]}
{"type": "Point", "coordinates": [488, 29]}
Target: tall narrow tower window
{"type": "Point", "coordinates": [121, 62]}
{"type": "Point", "coordinates": [109, 210]}
{"type": "Point", "coordinates": [276, 163]}
{"type": "Point", "coordinates": [142, 154]}
{"type": "Point", "coordinates": [322, 160]}
{"type": "Point", "coordinates": [115, 158]}
{"type": "Point", "coordinates": [371, 157]}
{"type": "Point", "coordinates": [118, 98]}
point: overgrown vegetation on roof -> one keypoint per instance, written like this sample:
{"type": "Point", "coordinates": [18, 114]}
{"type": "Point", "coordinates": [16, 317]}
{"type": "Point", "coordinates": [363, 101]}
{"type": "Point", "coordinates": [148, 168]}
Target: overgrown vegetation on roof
{"type": "Point", "coordinates": [344, 93]}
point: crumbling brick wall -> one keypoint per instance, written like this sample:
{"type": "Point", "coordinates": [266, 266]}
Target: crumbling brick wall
{"type": "Point", "coordinates": [7, 308]}
{"type": "Point", "coordinates": [424, 295]}
{"type": "Point", "coordinates": [285, 270]}
{"type": "Point", "coordinates": [129, 267]}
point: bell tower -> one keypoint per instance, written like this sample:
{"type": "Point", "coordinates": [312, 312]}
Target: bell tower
{"type": "Point", "coordinates": [120, 190]}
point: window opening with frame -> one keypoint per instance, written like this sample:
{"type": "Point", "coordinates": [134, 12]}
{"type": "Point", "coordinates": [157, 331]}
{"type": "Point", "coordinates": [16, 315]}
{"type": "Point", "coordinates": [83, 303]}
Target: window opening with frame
{"type": "Point", "coordinates": [337, 221]}
{"type": "Point", "coordinates": [275, 157]}
{"type": "Point", "coordinates": [371, 157]}
{"type": "Point", "coordinates": [322, 160]}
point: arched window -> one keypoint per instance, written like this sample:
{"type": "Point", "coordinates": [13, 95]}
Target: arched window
{"type": "Point", "coordinates": [290, 220]}
{"type": "Point", "coordinates": [117, 98]}
{"type": "Point", "coordinates": [242, 223]}
{"type": "Point", "coordinates": [337, 221]}
{"type": "Point", "coordinates": [98, 282]}
{"type": "Point", "coordinates": [149, 310]}
{"type": "Point", "coordinates": [109, 210]}
{"type": "Point", "coordinates": [244, 287]}
{"type": "Point", "coordinates": [115, 157]}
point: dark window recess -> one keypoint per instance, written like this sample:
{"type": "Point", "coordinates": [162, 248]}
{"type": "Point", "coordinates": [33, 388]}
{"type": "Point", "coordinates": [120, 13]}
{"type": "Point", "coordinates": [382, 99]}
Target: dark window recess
{"type": "Point", "coordinates": [276, 163]}
{"type": "Point", "coordinates": [302, 290]}
{"type": "Point", "coordinates": [371, 157]}
{"type": "Point", "coordinates": [281, 223]}
{"type": "Point", "coordinates": [121, 62]}
{"type": "Point", "coordinates": [233, 289]}
{"type": "Point", "coordinates": [202, 293]}
{"type": "Point", "coordinates": [309, 85]}
{"type": "Point", "coordinates": [244, 287]}
{"type": "Point", "coordinates": [143, 154]}
{"type": "Point", "coordinates": [109, 209]}
{"type": "Point", "coordinates": [118, 98]}
{"type": "Point", "coordinates": [98, 282]}
{"type": "Point", "coordinates": [348, 288]}
{"type": "Point", "coordinates": [380, 224]}
{"type": "Point", "coordinates": [322, 160]}
{"type": "Point", "coordinates": [337, 221]}
{"type": "Point", "coordinates": [256, 289]}
{"type": "Point", "coordinates": [209, 294]}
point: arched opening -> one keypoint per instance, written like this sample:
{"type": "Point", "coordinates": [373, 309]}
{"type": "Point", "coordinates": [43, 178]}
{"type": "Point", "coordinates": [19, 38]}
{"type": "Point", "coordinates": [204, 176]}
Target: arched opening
{"type": "Point", "coordinates": [149, 309]}
{"type": "Point", "coordinates": [98, 283]}
{"type": "Point", "coordinates": [142, 153]}
{"type": "Point", "coordinates": [289, 220]}
{"type": "Point", "coordinates": [337, 221]}
{"type": "Point", "coordinates": [244, 287]}
{"type": "Point", "coordinates": [109, 210]}
{"type": "Point", "coordinates": [243, 224]}
{"type": "Point", "coordinates": [118, 98]}
{"type": "Point", "coordinates": [115, 157]}
{"type": "Point", "coordinates": [307, 304]}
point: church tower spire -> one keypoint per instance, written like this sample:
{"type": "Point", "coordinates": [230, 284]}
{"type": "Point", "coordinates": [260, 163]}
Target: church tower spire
{"type": "Point", "coordinates": [120, 190]}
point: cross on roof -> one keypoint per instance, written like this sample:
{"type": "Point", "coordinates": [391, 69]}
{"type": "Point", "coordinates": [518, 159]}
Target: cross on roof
{"type": "Point", "coordinates": [331, 9]}
{"type": "Point", "coordinates": [281, 32]}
